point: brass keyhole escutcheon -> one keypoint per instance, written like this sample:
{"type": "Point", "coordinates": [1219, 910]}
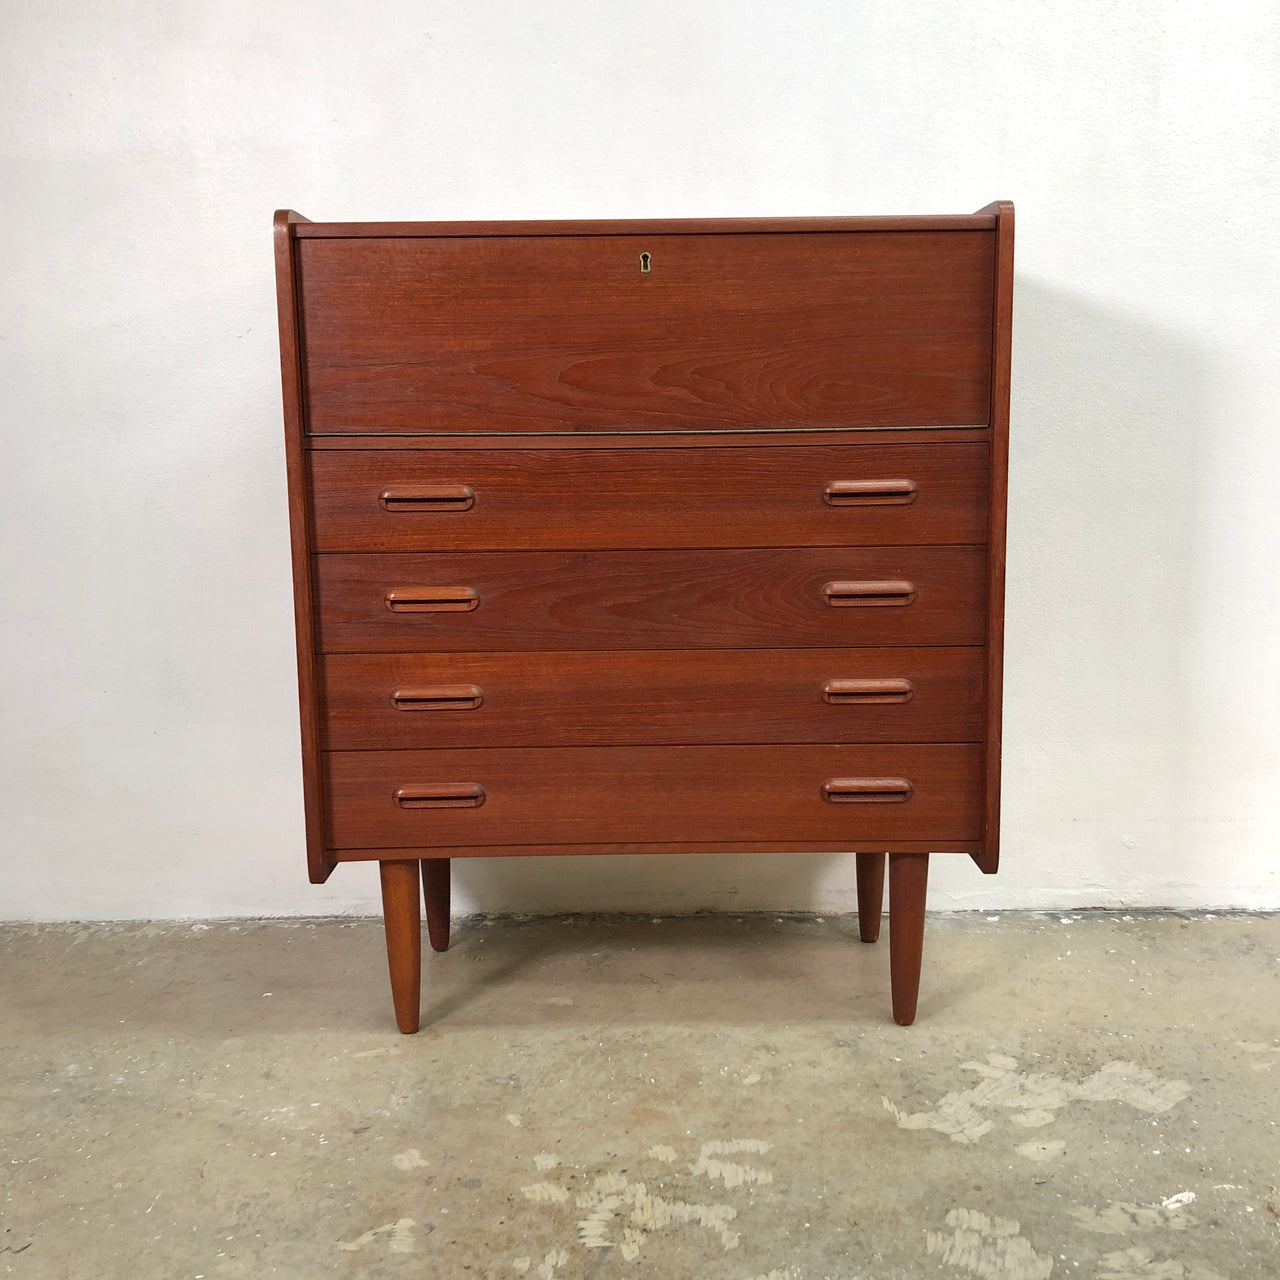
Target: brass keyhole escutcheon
{"type": "Point", "coordinates": [646, 263]}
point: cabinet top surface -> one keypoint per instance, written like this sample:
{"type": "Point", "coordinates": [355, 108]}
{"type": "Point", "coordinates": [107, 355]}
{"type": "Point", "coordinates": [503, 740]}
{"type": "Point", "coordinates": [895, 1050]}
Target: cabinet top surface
{"type": "Point", "coordinates": [650, 226]}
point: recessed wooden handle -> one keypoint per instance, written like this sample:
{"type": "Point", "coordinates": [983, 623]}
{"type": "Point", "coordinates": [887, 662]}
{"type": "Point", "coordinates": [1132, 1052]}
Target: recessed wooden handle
{"type": "Point", "coordinates": [431, 599]}
{"type": "Point", "coordinates": [840, 692]}
{"type": "Point", "coordinates": [427, 497]}
{"type": "Point", "coordinates": [869, 493]}
{"type": "Point", "coordinates": [867, 790]}
{"type": "Point", "coordinates": [439, 697]}
{"type": "Point", "coordinates": [844, 595]}
{"type": "Point", "coordinates": [441, 795]}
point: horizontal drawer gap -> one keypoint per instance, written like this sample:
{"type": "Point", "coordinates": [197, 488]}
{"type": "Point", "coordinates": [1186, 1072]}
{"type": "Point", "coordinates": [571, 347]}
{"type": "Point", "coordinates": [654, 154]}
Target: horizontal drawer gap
{"type": "Point", "coordinates": [589, 551]}
{"type": "Point", "coordinates": [877, 745]}
{"type": "Point", "coordinates": [779, 648]}
{"type": "Point", "coordinates": [639, 441]}
{"type": "Point", "coordinates": [605, 434]}
{"type": "Point", "coordinates": [735, 648]}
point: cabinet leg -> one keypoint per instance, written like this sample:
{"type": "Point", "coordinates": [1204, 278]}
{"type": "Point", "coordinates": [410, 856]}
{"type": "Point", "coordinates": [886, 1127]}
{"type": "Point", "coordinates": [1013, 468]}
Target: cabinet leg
{"type": "Point", "coordinates": [402, 918]}
{"type": "Point", "coordinates": [870, 894]}
{"type": "Point", "coordinates": [435, 888]}
{"type": "Point", "coordinates": [908, 878]}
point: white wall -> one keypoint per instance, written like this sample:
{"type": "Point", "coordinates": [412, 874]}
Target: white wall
{"type": "Point", "coordinates": [149, 721]}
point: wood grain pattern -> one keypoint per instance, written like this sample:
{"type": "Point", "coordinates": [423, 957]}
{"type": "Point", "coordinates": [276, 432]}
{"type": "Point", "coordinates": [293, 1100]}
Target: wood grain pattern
{"type": "Point", "coordinates": [319, 864]}
{"type": "Point", "coordinates": [650, 696]}
{"type": "Point", "coordinates": [434, 334]}
{"type": "Point", "coordinates": [548, 499]}
{"type": "Point", "coordinates": [774, 438]}
{"type": "Point", "coordinates": [660, 794]}
{"type": "Point", "coordinates": [1001, 352]}
{"type": "Point", "coordinates": [402, 922]}
{"type": "Point", "coordinates": [908, 881]}
{"type": "Point", "coordinates": [435, 891]}
{"type": "Point", "coordinates": [870, 895]}
{"type": "Point", "coordinates": [651, 599]}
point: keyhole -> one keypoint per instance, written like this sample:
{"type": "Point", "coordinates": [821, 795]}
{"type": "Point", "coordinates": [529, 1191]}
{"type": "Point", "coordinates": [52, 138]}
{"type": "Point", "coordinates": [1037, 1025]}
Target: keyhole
{"type": "Point", "coordinates": [645, 261]}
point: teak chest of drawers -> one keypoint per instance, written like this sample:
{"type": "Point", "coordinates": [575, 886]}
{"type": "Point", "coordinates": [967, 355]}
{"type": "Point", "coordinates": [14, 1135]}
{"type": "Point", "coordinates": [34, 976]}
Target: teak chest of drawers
{"type": "Point", "coordinates": [648, 537]}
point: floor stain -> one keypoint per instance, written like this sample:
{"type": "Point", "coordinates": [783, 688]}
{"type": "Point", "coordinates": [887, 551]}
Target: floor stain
{"type": "Point", "coordinates": [399, 1233]}
{"type": "Point", "coordinates": [410, 1159]}
{"type": "Point", "coordinates": [728, 1171]}
{"type": "Point", "coordinates": [1041, 1152]}
{"type": "Point", "coordinates": [1123, 1218]}
{"type": "Point", "coordinates": [1140, 1263]}
{"type": "Point", "coordinates": [1032, 1099]}
{"type": "Point", "coordinates": [620, 1212]}
{"type": "Point", "coordinates": [990, 1248]}
{"type": "Point", "coordinates": [545, 1193]}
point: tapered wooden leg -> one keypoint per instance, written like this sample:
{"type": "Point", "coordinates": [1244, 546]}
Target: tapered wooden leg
{"type": "Point", "coordinates": [908, 878]}
{"type": "Point", "coordinates": [870, 895]}
{"type": "Point", "coordinates": [402, 918]}
{"type": "Point", "coordinates": [435, 888]}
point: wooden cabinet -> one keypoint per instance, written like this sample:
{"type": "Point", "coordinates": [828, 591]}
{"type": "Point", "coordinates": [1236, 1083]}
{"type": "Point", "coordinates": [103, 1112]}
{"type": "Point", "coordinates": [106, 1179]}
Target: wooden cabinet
{"type": "Point", "coordinates": [658, 537]}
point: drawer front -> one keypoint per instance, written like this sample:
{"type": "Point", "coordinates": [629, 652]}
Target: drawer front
{"type": "Point", "coordinates": [542, 499]}
{"type": "Point", "coordinates": [532, 334]}
{"type": "Point", "coordinates": [590, 795]}
{"type": "Point", "coordinates": [791, 597]}
{"type": "Point", "coordinates": [409, 700]}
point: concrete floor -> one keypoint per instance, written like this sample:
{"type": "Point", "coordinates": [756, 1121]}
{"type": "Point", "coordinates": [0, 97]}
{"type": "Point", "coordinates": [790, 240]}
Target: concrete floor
{"type": "Point", "coordinates": [711, 1098]}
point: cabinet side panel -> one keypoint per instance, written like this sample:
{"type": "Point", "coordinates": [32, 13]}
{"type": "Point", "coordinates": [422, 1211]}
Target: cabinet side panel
{"type": "Point", "coordinates": [988, 856]}
{"type": "Point", "coordinates": [319, 864]}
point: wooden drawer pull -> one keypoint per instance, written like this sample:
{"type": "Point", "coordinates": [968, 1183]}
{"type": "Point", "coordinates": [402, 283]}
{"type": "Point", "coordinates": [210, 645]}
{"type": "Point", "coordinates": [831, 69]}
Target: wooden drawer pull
{"type": "Point", "coordinates": [844, 595]}
{"type": "Point", "coordinates": [869, 493]}
{"type": "Point", "coordinates": [431, 599]}
{"type": "Point", "coordinates": [441, 795]}
{"type": "Point", "coordinates": [439, 697]}
{"type": "Point", "coordinates": [840, 692]}
{"type": "Point", "coordinates": [867, 790]}
{"type": "Point", "coordinates": [427, 497]}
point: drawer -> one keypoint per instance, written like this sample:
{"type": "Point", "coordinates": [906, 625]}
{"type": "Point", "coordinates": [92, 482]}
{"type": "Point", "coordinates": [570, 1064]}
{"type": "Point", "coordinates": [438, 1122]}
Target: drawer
{"type": "Point", "coordinates": [771, 598]}
{"type": "Point", "coordinates": [548, 499]}
{"type": "Point", "coordinates": [406, 700]}
{"type": "Point", "coordinates": [568, 333]}
{"type": "Point", "coordinates": [669, 794]}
